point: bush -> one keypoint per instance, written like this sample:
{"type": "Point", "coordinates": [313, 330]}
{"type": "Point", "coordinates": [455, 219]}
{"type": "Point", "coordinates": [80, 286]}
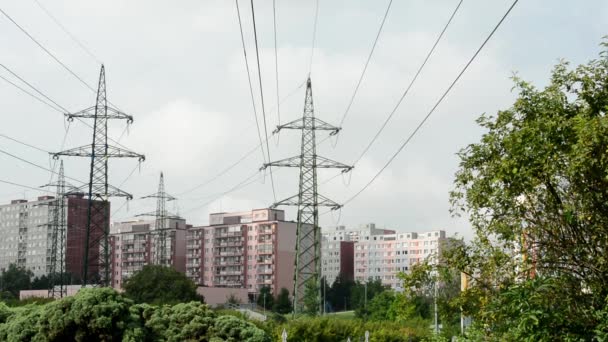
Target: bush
{"type": "Point", "coordinates": [324, 329]}
{"type": "Point", "coordinates": [105, 315]}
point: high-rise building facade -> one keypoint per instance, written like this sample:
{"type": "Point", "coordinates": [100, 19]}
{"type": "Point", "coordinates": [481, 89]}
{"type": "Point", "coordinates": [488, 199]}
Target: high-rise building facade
{"type": "Point", "coordinates": [26, 236]}
{"type": "Point", "coordinates": [249, 250]}
{"type": "Point", "coordinates": [382, 257]}
{"type": "Point", "coordinates": [337, 249]}
{"type": "Point", "coordinates": [132, 245]}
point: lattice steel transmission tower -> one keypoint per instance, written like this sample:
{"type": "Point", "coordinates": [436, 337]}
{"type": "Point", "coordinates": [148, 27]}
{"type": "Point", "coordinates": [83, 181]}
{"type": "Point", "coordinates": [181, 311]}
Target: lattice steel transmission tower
{"type": "Point", "coordinates": [308, 200]}
{"type": "Point", "coordinates": [161, 225]}
{"type": "Point", "coordinates": [58, 225]}
{"type": "Point", "coordinates": [96, 266]}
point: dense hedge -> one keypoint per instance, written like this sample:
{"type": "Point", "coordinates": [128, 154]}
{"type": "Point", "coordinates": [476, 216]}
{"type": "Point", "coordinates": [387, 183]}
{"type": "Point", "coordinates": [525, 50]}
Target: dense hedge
{"type": "Point", "coordinates": [327, 329]}
{"type": "Point", "coordinates": [105, 315]}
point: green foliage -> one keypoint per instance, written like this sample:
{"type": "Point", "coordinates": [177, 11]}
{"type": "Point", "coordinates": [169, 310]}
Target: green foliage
{"type": "Point", "coordinates": [339, 294]}
{"type": "Point", "coordinates": [15, 279]}
{"type": "Point", "coordinates": [313, 329]}
{"type": "Point", "coordinates": [232, 329]}
{"type": "Point", "coordinates": [156, 284]}
{"type": "Point", "coordinates": [105, 315]}
{"type": "Point", "coordinates": [265, 298]}
{"type": "Point", "coordinates": [283, 303]}
{"type": "Point", "coordinates": [233, 299]}
{"type": "Point", "coordinates": [374, 288]}
{"type": "Point", "coordinates": [535, 188]}
{"type": "Point", "coordinates": [311, 297]}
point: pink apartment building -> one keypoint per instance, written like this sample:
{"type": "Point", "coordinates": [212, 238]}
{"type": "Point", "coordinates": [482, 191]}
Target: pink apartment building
{"type": "Point", "coordinates": [384, 256]}
{"type": "Point", "coordinates": [132, 245]}
{"type": "Point", "coordinates": [247, 250]}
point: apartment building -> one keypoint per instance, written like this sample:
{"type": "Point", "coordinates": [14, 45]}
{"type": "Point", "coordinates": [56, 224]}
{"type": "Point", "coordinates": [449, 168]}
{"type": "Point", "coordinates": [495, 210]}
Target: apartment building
{"type": "Point", "coordinates": [248, 250]}
{"type": "Point", "coordinates": [382, 257]}
{"type": "Point", "coordinates": [26, 236]}
{"type": "Point", "coordinates": [337, 248]}
{"type": "Point", "coordinates": [134, 244]}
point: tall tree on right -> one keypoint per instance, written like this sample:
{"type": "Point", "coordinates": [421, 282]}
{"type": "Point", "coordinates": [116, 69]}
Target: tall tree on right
{"type": "Point", "coordinates": [535, 189]}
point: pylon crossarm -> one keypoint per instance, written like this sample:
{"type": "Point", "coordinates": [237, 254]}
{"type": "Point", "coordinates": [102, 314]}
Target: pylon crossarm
{"type": "Point", "coordinates": [308, 123]}
{"type": "Point", "coordinates": [291, 201]}
{"type": "Point", "coordinates": [294, 201]}
{"type": "Point", "coordinates": [89, 113]}
{"type": "Point", "coordinates": [321, 163]}
{"type": "Point", "coordinates": [168, 216]}
{"type": "Point", "coordinates": [112, 192]}
{"type": "Point", "coordinates": [325, 163]}
{"type": "Point", "coordinates": [166, 196]}
{"type": "Point", "coordinates": [113, 152]}
{"type": "Point", "coordinates": [287, 162]}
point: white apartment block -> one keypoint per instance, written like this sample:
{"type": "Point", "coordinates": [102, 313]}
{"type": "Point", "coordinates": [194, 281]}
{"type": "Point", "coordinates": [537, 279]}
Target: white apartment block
{"type": "Point", "coordinates": [382, 257]}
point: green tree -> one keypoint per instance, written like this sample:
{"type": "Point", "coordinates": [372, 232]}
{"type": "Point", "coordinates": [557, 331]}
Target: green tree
{"type": "Point", "coordinates": [359, 295]}
{"type": "Point", "coordinates": [535, 188]}
{"type": "Point", "coordinates": [265, 298]}
{"type": "Point", "coordinates": [156, 284]}
{"type": "Point", "coordinates": [311, 297]}
{"type": "Point", "coordinates": [339, 295]}
{"type": "Point", "coordinates": [15, 279]}
{"type": "Point", "coordinates": [40, 283]}
{"type": "Point", "coordinates": [283, 303]}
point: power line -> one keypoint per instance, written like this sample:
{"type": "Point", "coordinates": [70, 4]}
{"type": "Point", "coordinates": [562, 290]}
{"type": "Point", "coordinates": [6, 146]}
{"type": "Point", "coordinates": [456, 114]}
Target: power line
{"type": "Point", "coordinates": [369, 57]}
{"type": "Point", "coordinates": [64, 29]}
{"type": "Point", "coordinates": [246, 182]}
{"type": "Point", "coordinates": [409, 138]}
{"type": "Point", "coordinates": [255, 113]}
{"type": "Point", "coordinates": [34, 88]}
{"type": "Point", "coordinates": [48, 52]}
{"type": "Point", "coordinates": [54, 57]}
{"type": "Point", "coordinates": [23, 143]}
{"type": "Point", "coordinates": [314, 36]}
{"type": "Point", "coordinates": [35, 165]}
{"type": "Point", "coordinates": [62, 109]}
{"type": "Point", "coordinates": [30, 94]}
{"type": "Point", "coordinates": [276, 59]}
{"type": "Point", "coordinates": [243, 157]}
{"type": "Point", "coordinates": [257, 52]}
{"type": "Point", "coordinates": [426, 59]}
{"type": "Point", "coordinates": [24, 186]}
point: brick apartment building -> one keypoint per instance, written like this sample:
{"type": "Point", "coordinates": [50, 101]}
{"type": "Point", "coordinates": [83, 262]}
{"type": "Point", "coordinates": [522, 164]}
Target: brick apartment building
{"type": "Point", "coordinates": [133, 246]}
{"type": "Point", "coordinates": [26, 236]}
{"type": "Point", "coordinates": [247, 250]}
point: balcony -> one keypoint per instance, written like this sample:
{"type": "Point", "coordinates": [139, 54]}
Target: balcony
{"type": "Point", "coordinates": [228, 253]}
{"type": "Point", "coordinates": [265, 261]}
{"type": "Point", "coordinates": [235, 243]}
{"type": "Point", "coordinates": [228, 234]}
{"type": "Point", "coordinates": [264, 281]}
{"type": "Point", "coordinates": [228, 263]}
{"type": "Point", "coordinates": [265, 251]}
{"type": "Point", "coordinates": [229, 273]}
{"type": "Point", "coordinates": [264, 271]}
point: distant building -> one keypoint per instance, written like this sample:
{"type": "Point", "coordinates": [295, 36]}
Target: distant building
{"type": "Point", "coordinates": [247, 250]}
{"type": "Point", "coordinates": [337, 249]}
{"type": "Point", "coordinates": [132, 245]}
{"type": "Point", "coordinates": [26, 237]}
{"type": "Point", "coordinates": [382, 257]}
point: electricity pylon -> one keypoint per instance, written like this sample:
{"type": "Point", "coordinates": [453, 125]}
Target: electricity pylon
{"type": "Point", "coordinates": [58, 225]}
{"type": "Point", "coordinates": [308, 200]}
{"type": "Point", "coordinates": [96, 268]}
{"type": "Point", "coordinates": [161, 225]}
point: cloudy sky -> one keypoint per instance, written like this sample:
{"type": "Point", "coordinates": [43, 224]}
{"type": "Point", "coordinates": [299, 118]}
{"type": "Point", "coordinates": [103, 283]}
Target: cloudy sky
{"type": "Point", "coordinates": [178, 68]}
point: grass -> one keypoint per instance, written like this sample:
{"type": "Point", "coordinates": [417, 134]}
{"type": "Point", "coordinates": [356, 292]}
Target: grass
{"type": "Point", "coordinates": [342, 315]}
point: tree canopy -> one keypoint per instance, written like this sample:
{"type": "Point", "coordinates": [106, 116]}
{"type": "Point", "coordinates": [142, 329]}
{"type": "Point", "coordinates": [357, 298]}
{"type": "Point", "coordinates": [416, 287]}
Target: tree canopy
{"type": "Point", "coordinates": [535, 188]}
{"type": "Point", "coordinates": [156, 284]}
{"type": "Point", "coordinates": [15, 279]}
